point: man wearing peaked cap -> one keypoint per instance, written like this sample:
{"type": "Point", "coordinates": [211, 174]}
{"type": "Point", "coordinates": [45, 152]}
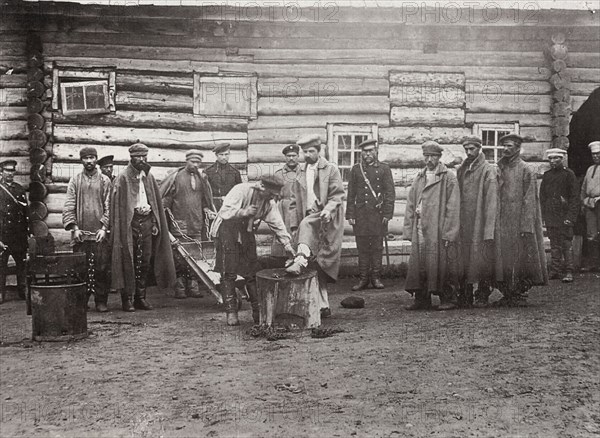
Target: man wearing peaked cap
{"type": "Point", "coordinates": [187, 195]}
{"type": "Point", "coordinates": [310, 141]}
{"type": "Point", "coordinates": [222, 176]}
{"type": "Point", "coordinates": [14, 227]}
{"type": "Point", "coordinates": [559, 199]}
{"type": "Point", "coordinates": [289, 174]}
{"type": "Point", "coordinates": [590, 197]}
{"type": "Point", "coordinates": [235, 243]}
{"type": "Point", "coordinates": [107, 165]}
{"type": "Point", "coordinates": [431, 223]}
{"type": "Point", "coordinates": [141, 243]}
{"type": "Point", "coordinates": [370, 206]}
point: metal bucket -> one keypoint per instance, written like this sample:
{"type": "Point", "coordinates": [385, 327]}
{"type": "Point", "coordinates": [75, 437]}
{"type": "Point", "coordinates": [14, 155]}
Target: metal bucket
{"type": "Point", "coordinates": [59, 312]}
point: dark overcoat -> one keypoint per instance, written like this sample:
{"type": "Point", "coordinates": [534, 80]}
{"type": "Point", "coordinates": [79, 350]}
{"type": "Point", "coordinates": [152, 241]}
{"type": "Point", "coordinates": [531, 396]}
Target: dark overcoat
{"type": "Point", "coordinates": [14, 219]}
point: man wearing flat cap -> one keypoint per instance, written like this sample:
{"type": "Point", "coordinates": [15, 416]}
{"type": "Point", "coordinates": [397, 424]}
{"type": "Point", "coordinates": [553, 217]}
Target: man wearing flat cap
{"type": "Point", "coordinates": [222, 176]}
{"type": "Point", "coordinates": [14, 227]}
{"type": "Point", "coordinates": [106, 165]}
{"type": "Point", "coordinates": [431, 223]}
{"type": "Point", "coordinates": [559, 199]}
{"type": "Point", "coordinates": [521, 240]}
{"type": "Point", "coordinates": [187, 195]}
{"type": "Point", "coordinates": [244, 206]}
{"type": "Point", "coordinates": [289, 174]}
{"type": "Point", "coordinates": [590, 198]}
{"type": "Point", "coordinates": [141, 244]}
{"type": "Point", "coordinates": [478, 184]}
{"type": "Point", "coordinates": [370, 207]}
{"type": "Point", "coordinates": [319, 205]}
{"type": "Point", "coordinates": [86, 213]}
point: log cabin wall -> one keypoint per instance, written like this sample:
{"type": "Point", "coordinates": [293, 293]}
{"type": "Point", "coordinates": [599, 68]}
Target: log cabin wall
{"type": "Point", "coordinates": [416, 77]}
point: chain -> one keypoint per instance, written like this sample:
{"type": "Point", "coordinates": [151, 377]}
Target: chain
{"type": "Point", "coordinates": [91, 274]}
{"type": "Point", "coordinates": [138, 254]}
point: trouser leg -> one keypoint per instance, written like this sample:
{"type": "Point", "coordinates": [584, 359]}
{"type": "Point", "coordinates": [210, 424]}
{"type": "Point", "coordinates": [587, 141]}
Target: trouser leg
{"type": "Point", "coordinates": [567, 250]}
{"type": "Point", "coordinates": [323, 293]}
{"type": "Point", "coordinates": [230, 298]}
{"type": "Point", "coordinates": [376, 261]}
{"type": "Point", "coordinates": [555, 252]}
{"type": "Point", "coordinates": [363, 247]}
{"type": "Point", "coordinates": [21, 274]}
{"type": "Point", "coordinates": [142, 232]}
{"type": "Point", "coordinates": [253, 298]}
{"type": "Point", "coordinates": [3, 268]}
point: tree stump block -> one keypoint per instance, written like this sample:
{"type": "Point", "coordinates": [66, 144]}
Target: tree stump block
{"type": "Point", "coordinates": [284, 298]}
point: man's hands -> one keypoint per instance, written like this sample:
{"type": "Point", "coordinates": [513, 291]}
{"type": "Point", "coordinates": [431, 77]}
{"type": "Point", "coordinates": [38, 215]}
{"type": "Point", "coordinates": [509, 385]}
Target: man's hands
{"type": "Point", "coordinates": [289, 250]}
{"type": "Point", "coordinates": [2, 247]}
{"type": "Point", "coordinates": [101, 235]}
{"type": "Point", "coordinates": [384, 221]}
{"type": "Point", "coordinates": [249, 211]}
{"type": "Point", "coordinates": [210, 214]}
{"type": "Point", "coordinates": [568, 223]}
{"type": "Point", "coordinates": [352, 221]}
{"type": "Point", "coordinates": [325, 216]}
{"type": "Point", "coordinates": [77, 235]}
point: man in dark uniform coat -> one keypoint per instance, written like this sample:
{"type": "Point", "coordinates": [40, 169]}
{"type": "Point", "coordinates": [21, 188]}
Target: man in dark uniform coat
{"type": "Point", "coordinates": [14, 227]}
{"type": "Point", "coordinates": [370, 206]}
{"type": "Point", "coordinates": [222, 176]}
{"type": "Point", "coordinates": [559, 198]}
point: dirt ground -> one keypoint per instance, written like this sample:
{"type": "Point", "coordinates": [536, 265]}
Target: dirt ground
{"type": "Point", "coordinates": [178, 371]}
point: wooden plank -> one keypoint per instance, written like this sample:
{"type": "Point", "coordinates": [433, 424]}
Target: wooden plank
{"type": "Point", "coordinates": [154, 119]}
{"type": "Point", "coordinates": [415, 116]}
{"type": "Point", "coordinates": [410, 158]}
{"type": "Point", "coordinates": [292, 87]}
{"type": "Point", "coordinates": [329, 105]}
{"type": "Point", "coordinates": [13, 81]}
{"type": "Point", "coordinates": [532, 150]}
{"type": "Point", "coordinates": [13, 130]}
{"type": "Point", "coordinates": [13, 96]}
{"type": "Point", "coordinates": [136, 64]}
{"type": "Point", "coordinates": [155, 83]}
{"type": "Point", "coordinates": [316, 121]}
{"type": "Point", "coordinates": [282, 136]}
{"type": "Point", "coordinates": [509, 104]}
{"type": "Point", "coordinates": [577, 101]}
{"type": "Point", "coordinates": [13, 113]}
{"type": "Point", "coordinates": [583, 88]}
{"type": "Point", "coordinates": [432, 79]}
{"type": "Point", "coordinates": [585, 75]}
{"type": "Point", "coordinates": [154, 101]}
{"type": "Point", "coordinates": [54, 220]}
{"type": "Point", "coordinates": [14, 148]}
{"type": "Point", "coordinates": [536, 133]}
{"type": "Point", "coordinates": [150, 137]}
{"type": "Point", "coordinates": [497, 87]}
{"type": "Point", "coordinates": [523, 119]}
{"type": "Point", "coordinates": [418, 135]}
{"type": "Point", "coordinates": [583, 60]}
{"type": "Point", "coordinates": [67, 152]}
{"type": "Point", "coordinates": [427, 96]}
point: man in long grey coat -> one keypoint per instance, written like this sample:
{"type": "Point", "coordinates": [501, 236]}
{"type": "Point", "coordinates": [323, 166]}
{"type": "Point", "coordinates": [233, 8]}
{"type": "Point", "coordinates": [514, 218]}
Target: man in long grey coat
{"type": "Point", "coordinates": [431, 223]}
{"type": "Point", "coordinates": [478, 184]}
{"type": "Point", "coordinates": [521, 246]}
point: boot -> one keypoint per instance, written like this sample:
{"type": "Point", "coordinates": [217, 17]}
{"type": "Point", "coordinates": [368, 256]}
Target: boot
{"type": "Point", "coordinates": [569, 264]}
{"type": "Point", "coordinates": [482, 295]}
{"type": "Point", "coordinates": [139, 300]}
{"type": "Point", "coordinates": [180, 288]}
{"type": "Point", "coordinates": [127, 306]}
{"type": "Point", "coordinates": [193, 290]}
{"type": "Point", "coordinates": [555, 264]}
{"type": "Point", "coordinates": [230, 301]}
{"type": "Point", "coordinates": [101, 303]}
{"type": "Point", "coordinates": [363, 283]}
{"type": "Point", "coordinates": [422, 301]}
{"type": "Point", "coordinates": [253, 298]}
{"type": "Point", "coordinates": [376, 270]}
{"type": "Point", "coordinates": [446, 302]}
{"type": "Point", "coordinates": [376, 282]}
{"type": "Point", "coordinates": [364, 265]}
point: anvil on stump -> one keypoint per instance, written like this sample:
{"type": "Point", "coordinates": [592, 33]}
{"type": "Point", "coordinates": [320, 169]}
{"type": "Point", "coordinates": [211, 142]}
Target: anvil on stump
{"type": "Point", "coordinates": [288, 300]}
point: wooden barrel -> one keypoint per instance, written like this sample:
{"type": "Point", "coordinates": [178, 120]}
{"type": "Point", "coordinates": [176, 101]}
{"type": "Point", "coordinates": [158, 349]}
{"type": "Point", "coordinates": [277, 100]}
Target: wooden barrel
{"type": "Point", "coordinates": [58, 312]}
{"type": "Point", "coordinates": [285, 299]}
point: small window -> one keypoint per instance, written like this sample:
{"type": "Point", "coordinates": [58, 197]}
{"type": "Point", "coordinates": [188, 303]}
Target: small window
{"type": "Point", "coordinates": [343, 141]}
{"type": "Point", "coordinates": [83, 91]}
{"type": "Point", "coordinates": [490, 134]}
{"type": "Point", "coordinates": [225, 96]}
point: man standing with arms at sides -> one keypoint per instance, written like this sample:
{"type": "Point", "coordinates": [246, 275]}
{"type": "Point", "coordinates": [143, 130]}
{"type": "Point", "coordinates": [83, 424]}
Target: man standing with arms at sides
{"type": "Point", "coordinates": [521, 247]}
{"type": "Point", "coordinates": [106, 166]}
{"type": "Point", "coordinates": [370, 207]}
{"type": "Point", "coordinates": [86, 214]}
{"type": "Point", "coordinates": [319, 204]}
{"type": "Point", "coordinates": [141, 244]}
{"type": "Point", "coordinates": [590, 197]}
{"type": "Point", "coordinates": [289, 175]}
{"type": "Point", "coordinates": [235, 243]}
{"type": "Point", "coordinates": [187, 195]}
{"type": "Point", "coordinates": [222, 176]}
{"type": "Point", "coordinates": [14, 227]}
{"type": "Point", "coordinates": [559, 199]}
{"type": "Point", "coordinates": [431, 223]}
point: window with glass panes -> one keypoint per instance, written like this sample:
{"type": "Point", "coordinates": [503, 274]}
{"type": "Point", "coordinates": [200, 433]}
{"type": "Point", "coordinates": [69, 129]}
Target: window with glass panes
{"type": "Point", "coordinates": [343, 141]}
{"type": "Point", "coordinates": [490, 134]}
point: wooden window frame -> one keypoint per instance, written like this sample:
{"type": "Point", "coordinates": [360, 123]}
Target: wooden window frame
{"type": "Point", "coordinates": [80, 75]}
{"type": "Point", "coordinates": [85, 84]}
{"type": "Point", "coordinates": [334, 130]}
{"type": "Point", "coordinates": [202, 107]}
{"type": "Point", "coordinates": [478, 129]}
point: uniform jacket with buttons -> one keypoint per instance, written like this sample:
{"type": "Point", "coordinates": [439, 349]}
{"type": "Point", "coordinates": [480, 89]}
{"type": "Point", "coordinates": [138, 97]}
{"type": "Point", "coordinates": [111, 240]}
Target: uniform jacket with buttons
{"type": "Point", "coordinates": [559, 197]}
{"type": "Point", "coordinates": [362, 205]}
{"type": "Point", "coordinates": [222, 178]}
{"type": "Point", "coordinates": [14, 219]}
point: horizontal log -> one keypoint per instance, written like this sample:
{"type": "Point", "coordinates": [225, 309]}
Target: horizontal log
{"type": "Point", "coordinates": [585, 75]}
{"type": "Point", "coordinates": [315, 121]}
{"type": "Point", "coordinates": [18, 148]}
{"type": "Point", "coordinates": [583, 88]}
{"type": "Point", "coordinates": [496, 87]}
{"type": "Point", "coordinates": [292, 87]}
{"type": "Point", "coordinates": [577, 101]}
{"type": "Point", "coordinates": [13, 113]}
{"type": "Point", "coordinates": [150, 137]}
{"type": "Point", "coordinates": [536, 133]}
{"type": "Point", "coordinates": [418, 79]}
{"type": "Point", "coordinates": [418, 135]}
{"type": "Point", "coordinates": [54, 220]}
{"type": "Point", "coordinates": [410, 157]}
{"type": "Point", "coordinates": [280, 136]}
{"type": "Point", "coordinates": [523, 119]}
{"type": "Point", "coordinates": [13, 81]}
{"type": "Point", "coordinates": [261, 153]}
{"type": "Point", "coordinates": [427, 96]}
{"type": "Point", "coordinates": [328, 105]}
{"type": "Point", "coordinates": [62, 238]}
{"type": "Point", "coordinates": [510, 104]}
{"type": "Point", "coordinates": [583, 60]}
{"type": "Point", "coordinates": [411, 116]}
{"type": "Point", "coordinates": [13, 96]}
{"type": "Point", "coordinates": [154, 119]}
{"type": "Point", "coordinates": [534, 151]}
{"type": "Point", "coordinates": [66, 152]}
{"type": "Point", "coordinates": [154, 101]}
{"type": "Point", "coordinates": [57, 187]}
{"type": "Point", "coordinates": [13, 130]}
{"type": "Point", "coordinates": [155, 83]}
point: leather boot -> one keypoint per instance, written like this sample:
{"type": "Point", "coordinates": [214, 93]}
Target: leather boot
{"type": "Point", "coordinates": [555, 265]}
{"type": "Point", "coordinates": [126, 302]}
{"type": "Point", "coordinates": [230, 301]}
{"type": "Point", "coordinates": [193, 290]}
{"type": "Point", "coordinates": [22, 281]}
{"type": "Point", "coordinates": [139, 300]}
{"type": "Point", "coordinates": [569, 267]}
{"type": "Point", "coordinates": [446, 301]}
{"type": "Point", "coordinates": [180, 288]}
{"type": "Point", "coordinates": [363, 283]}
{"type": "Point", "coordinates": [376, 268]}
{"type": "Point", "coordinates": [364, 264]}
{"type": "Point", "coordinates": [101, 302]}
{"type": "Point", "coordinates": [253, 298]}
{"type": "Point", "coordinates": [422, 301]}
